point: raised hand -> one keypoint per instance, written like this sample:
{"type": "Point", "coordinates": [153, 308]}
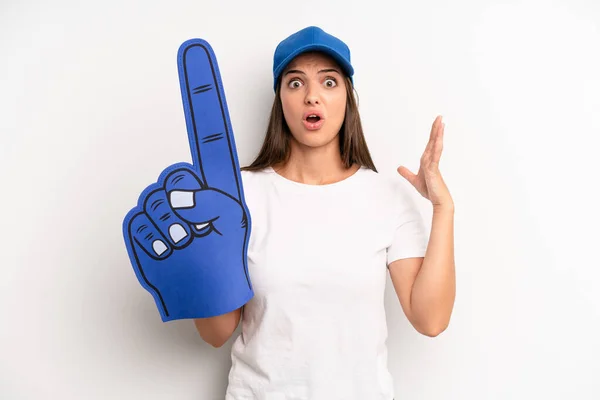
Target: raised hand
{"type": "Point", "coordinates": [187, 238]}
{"type": "Point", "coordinates": [428, 180]}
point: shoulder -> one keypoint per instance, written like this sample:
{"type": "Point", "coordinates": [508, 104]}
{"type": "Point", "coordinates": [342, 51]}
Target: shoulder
{"type": "Point", "coordinates": [390, 190]}
{"type": "Point", "coordinates": [383, 183]}
{"type": "Point", "coordinates": [252, 177]}
{"type": "Point", "coordinates": [254, 182]}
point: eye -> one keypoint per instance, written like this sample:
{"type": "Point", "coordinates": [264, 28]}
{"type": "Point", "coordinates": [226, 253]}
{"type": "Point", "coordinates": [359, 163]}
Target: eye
{"type": "Point", "coordinates": [294, 83]}
{"type": "Point", "coordinates": [330, 82]}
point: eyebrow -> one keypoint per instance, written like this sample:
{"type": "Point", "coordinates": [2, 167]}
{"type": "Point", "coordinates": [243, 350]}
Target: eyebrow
{"type": "Point", "coordinates": [296, 71]}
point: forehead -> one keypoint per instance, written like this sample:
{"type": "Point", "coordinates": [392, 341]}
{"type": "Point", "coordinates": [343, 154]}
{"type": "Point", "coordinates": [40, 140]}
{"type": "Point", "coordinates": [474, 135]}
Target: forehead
{"type": "Point", "coordinates": [312, 60]}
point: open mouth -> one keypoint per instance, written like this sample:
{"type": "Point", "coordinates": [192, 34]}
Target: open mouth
{"type": "Point", "coordinates": [313, 120]}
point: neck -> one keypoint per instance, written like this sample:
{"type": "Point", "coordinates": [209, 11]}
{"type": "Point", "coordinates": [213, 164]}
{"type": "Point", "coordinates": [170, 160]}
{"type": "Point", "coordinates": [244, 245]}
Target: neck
{"type": "Point", "coordinates": [315, 165]}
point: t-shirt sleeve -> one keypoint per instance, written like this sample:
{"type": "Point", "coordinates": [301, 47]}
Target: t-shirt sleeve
{"type": "Point", "coordinates": [410, 236]}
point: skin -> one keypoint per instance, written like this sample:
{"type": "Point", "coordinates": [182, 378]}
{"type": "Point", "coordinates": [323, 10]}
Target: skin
{"type": "Point", "coordinates": [426, 287]}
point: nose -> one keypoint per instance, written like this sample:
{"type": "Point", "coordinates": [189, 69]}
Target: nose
{"type": "Point", "coordinates": [312, 95]}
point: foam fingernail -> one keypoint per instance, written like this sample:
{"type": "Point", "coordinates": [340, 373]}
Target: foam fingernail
{"type": "Point", "coordinates": [180, 199]}
{"type": "Point", "coordinates": [177, 232]}
{"type": "Point", "coordinates": [159, 247]}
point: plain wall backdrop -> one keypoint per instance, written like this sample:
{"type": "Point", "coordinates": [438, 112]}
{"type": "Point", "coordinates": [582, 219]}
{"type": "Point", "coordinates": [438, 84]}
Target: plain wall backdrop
{"type": "Point", "coordinates": [91, 113]}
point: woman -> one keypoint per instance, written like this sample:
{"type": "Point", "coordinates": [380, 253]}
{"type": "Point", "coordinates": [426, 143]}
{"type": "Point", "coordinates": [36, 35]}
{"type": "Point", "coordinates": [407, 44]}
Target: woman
{"type": "Point", "coordinates": [325, 225]}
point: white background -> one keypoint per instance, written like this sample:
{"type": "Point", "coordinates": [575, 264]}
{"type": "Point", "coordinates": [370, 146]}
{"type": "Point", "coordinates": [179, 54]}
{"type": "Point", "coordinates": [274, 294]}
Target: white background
{"type": "Point", "coordinates": [90, 113]}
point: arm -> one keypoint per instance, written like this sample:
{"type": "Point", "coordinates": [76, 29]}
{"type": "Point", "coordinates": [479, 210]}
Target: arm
{"type": "Point", "coordinates": [216, 331]}
{"type": "Point", "coordinates": [426, 286]}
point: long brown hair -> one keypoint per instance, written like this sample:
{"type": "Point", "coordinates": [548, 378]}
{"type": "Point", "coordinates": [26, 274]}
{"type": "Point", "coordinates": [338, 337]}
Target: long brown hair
{"type": "Point", "coordinates": [276, 145]}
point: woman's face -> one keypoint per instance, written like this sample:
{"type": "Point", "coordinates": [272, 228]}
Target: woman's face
{"type": "Point", "coordinates": [313, 96]}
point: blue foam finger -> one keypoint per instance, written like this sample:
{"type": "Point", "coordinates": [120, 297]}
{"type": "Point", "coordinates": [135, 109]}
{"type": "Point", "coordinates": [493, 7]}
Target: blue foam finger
{"type": "Point", "coordinates": [147, 237]}
{"type": "Point", "coordinates": [199, 210]}
{"type": "Point", "coordinates": [173, 228]}
{"type": "Point", "coordinates": [208, 276]}
{"type": "Point", "coordinates": [183, 179]}
{"type": "Point", "coordinates": [202, 206]}
{"type": "Point", "coordinates": [207, 117]}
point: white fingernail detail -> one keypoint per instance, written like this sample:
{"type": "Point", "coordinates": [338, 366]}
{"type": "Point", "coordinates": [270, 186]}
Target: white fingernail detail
{"type": "Point", "coordinates": [181, 199]}
{"type": "Point", "coordinates": [159, 247]}
{"type": "Point", "coordinates": [177, 232]}
{"type": "Point", "coordinates": [201, 226]}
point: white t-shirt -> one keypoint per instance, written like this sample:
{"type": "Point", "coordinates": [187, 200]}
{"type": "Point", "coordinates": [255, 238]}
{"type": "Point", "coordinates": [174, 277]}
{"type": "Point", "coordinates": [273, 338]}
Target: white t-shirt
{"type": "Point", "coordinates": [316, 327]}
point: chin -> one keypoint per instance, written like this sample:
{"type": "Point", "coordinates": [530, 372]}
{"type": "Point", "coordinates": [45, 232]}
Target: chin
{"type": "Point", "coordinates": [315, 138]}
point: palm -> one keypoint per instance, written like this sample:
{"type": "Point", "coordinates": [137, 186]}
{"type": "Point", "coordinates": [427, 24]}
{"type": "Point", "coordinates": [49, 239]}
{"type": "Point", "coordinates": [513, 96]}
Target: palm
{"type": "Point", "coordinates": [420, 184]}
{"type": "Point", "coordinates": [428, 180]}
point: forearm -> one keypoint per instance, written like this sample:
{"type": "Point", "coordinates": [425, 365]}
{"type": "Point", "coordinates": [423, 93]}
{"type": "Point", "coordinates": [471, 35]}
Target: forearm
{"type": "Point", "coordinates": [433, 292]}
{"type": "Point", "coordinates": [217, 330]}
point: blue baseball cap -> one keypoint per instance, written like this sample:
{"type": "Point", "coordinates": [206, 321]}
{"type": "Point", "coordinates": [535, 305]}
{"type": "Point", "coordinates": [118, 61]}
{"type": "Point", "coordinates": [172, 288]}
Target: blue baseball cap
{"type": "Point", "coordinates": [311, 38]}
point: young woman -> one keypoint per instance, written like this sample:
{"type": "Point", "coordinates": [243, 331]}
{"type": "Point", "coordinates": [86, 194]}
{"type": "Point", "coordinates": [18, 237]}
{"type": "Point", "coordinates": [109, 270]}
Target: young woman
{"type": "Point", "coordinates": [325, 225]}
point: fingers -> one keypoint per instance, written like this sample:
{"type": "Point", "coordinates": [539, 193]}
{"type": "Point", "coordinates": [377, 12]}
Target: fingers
{"type": "Point", "coordinates": [156, 228]}
{"type": "Point", "coordinates": [180, 187]}
{"type": "Point", "coordinates": [205, 209]}
{"type": "Point", "coordinates": [438, 146]}
{"type": "Point", "coordinates": [176, 209]}
{"type": "Point", "coordinates": [435, 126]}
{"type": "Point", "coordinates": [173, 228]}
{"type": "Point", "coordinates": [207, 118]}
{"type": "Point", "coordinates": [433, 139]}
{"type": "Point", "coordinates": [143, 232]}
{"type": "Point", "coordinates": [406, 173]}
{"type": "Point", "coordinates": [433, 133]}
{"type": "Point", "coordinates": [205, 206]}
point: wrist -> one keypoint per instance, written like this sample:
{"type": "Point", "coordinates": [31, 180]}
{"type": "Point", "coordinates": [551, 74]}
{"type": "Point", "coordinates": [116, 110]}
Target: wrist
{"type": "Point", "coordinates": [444, 208]}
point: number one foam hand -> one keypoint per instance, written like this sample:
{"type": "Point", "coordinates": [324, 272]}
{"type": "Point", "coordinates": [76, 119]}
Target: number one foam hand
{"type": "Point", "coordinates": [188, 236]}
